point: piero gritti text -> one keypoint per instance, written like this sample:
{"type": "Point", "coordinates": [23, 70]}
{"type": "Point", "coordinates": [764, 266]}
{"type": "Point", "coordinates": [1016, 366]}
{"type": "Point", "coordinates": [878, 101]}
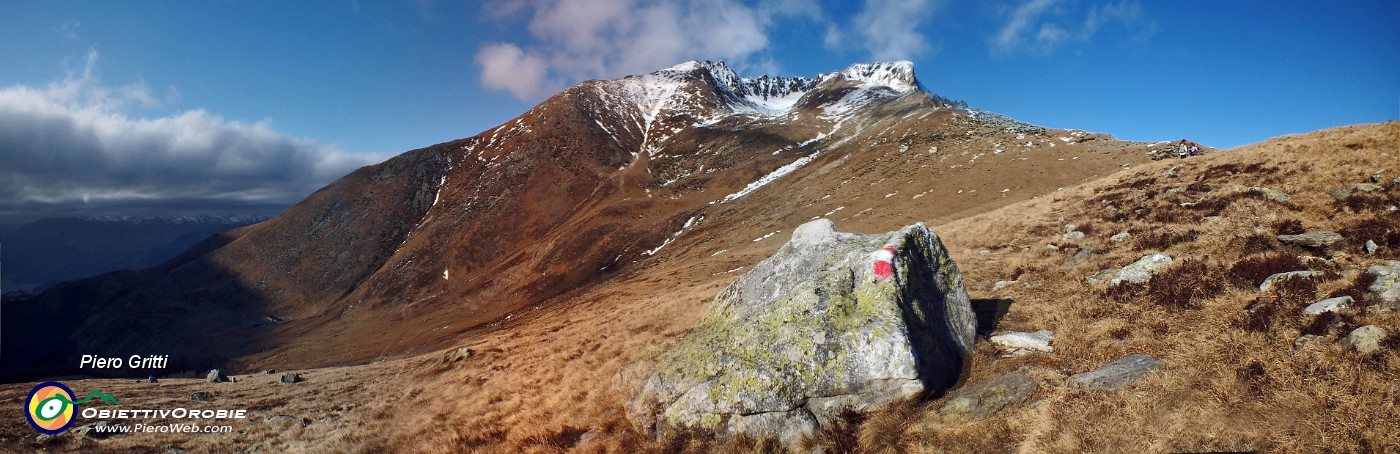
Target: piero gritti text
{"type": "Point", "coordinates": [131, 362]}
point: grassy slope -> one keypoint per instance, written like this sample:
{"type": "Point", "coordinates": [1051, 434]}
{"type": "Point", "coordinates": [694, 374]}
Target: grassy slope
{"type": "Point", "coordinates": [542, 379]}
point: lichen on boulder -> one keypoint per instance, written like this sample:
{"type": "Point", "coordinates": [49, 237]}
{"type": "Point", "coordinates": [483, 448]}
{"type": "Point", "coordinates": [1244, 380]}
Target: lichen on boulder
{"type": "Point", "coordinates": [809, 332]}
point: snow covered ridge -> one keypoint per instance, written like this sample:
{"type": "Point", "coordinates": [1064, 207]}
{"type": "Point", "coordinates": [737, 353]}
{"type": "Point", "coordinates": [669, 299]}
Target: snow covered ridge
{"type": "Point", "coordinates": [770, 95]}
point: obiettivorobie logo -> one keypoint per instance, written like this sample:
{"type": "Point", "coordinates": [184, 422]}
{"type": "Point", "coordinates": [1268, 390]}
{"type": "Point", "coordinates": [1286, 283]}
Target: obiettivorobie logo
{"type": "Point", "coordinates": [51, 406]}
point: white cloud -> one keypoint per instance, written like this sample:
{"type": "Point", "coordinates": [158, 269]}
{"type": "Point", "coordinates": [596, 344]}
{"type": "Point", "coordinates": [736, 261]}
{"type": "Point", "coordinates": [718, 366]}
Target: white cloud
{"type": "Point", "coordinates": [1039, 27]}
{"type": "Point", "coordinates": [584, 39]}
{"type": "Point", "coordinates": [76, 141]}
{"type": "Point", "coordinates": [888, 29]}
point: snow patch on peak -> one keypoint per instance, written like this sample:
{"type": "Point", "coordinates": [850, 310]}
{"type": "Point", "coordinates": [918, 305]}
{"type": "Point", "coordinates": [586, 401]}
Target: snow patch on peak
{"type": "Point", "coordinates": [897, 75]}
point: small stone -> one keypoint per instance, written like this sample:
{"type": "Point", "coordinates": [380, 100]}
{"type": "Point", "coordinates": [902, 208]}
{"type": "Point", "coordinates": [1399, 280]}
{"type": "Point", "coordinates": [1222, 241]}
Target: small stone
{"type": "Point", "coordinates": [1371, 247]}
{"type": "Point", "coordinates": [1052, 247]}
{"type": "Point", "coordinates": [1365, 340]}
{"type": "Point", "coordinates": [97, 431]}
{"type": "Point", "coordinates": [1140, 271]}
{"type": "Point", "coordinates": [1118, 373]}
{"type": "Point", "coordinates": [987, 398]}
{"type": "Point", "coordinates": [1001, 285]}
{"type": "Point", "coordinates": [1367, 187]}
{"type": "Point", "coordinates": [216, 376]}
{"type": "Point", "coordinates": [1378, 176]}
{"type": "Point", "coordinates": [172, 449]}
{"type": "Point", "coordinates": [284, 419]}
{"type": "Point", "coordinates": [290, 377]}
{"type": "Point", "coordinates": [1395, 183]}
{"type": "Point", "coordinates": [1100, 277]}
{"type": "Point", "coordinates": [1083, 254]}
{"type": "Point", "coordinates": [456, 355]}
{"type": "Point", "coordinates": [1269, 282]}
{"type": "Point", "coordinates": [201, 396]}
{"type": "Point", "coordinates": [1019, 343]}
{"type": "Point", "coordinates": [1339, 193]}
{"type": "Point", "coordinates": [1118, 237]}
{"type": "Point", "coordinates": [270, 371]}
{"type": "Point", "coordinates": [1311, 239]}
{"type": "Point", "coordinates": [1305, 340]}
{"type": "Point", "coordinates": [1271, 194]}
{"type": "Point", "coordinates": [589, 435]}
{"type": "Point", "coordinates": [1329, 305]}
{"type": "Point", "coordinates": [151, 379]}
{"type": "Point", "coordinates": [1384, 292]}
{"type": "Point", "coordinates": [1073, 236]}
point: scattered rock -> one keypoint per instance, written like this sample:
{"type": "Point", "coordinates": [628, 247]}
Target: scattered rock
{"type": "Point", "coordinates": [151, 379]}
{"type": "Point", "coordinates": [1385, 291]}
{"type": "Point", "coordinates": [1378, 176]}
{"type": "Point", "coordinates": [1001, 285]}
{"type": "Point", "coordinates": [1072, 236]}
{"type": "Point", "coordinates": [1339, 193]}
{"type": "Point", "coordinates": [1100, 277]}
{"type": "Point", "coordinates": [1311, 239]}
{"type": "Point", "coordinates": [1305, 341]}
{"type": "Point", "coordinates": [270, 371]}
{"type": "Point", "coordinates": [1140, 271]}
{"type": "Point", "coordinates": [1052, 247]}
{"type": "Point", "coordinates": [1083, 254]}
{"type": "Point", "coordinates": [1329, 305]}
{"type": "Point", "coordinates": [1371, 247]}
{"type": "Point", "coordinates": [1269, 282]}
{"type": "Point", "coordinates": [821, 325]}
{"type": "Point", "coordinates": [201, 396]}
{"type": "Point", "coordinates": [1271, 194]}
{"type": "Point", "coordinates": [1118, 237]}
{"type": "Point", "coordinates": [1117, 373]}
{"type": "Point", "coordinates": [1175, 191]}
{"type": "Point", "coordinates": [1365, 340]}
{"type": "Point", "coordinates": [1367, 187]}
{"type": "Point", "coordinates": [216, 376]}
{"type": "Point", "coordinates": [589, 435]}
{"type": "Point", "coordinates": [97, 431]}
{"type": "Point", "coordinates": [456, 355]}
{"type": "Point", "coordinates": [172, 449]}
{"type": "Point", "coordinates": [290, 377]}
{"type": "Point", "coordinates": [1019, 343]}
{"type": "Point", "coordinates": [1395, 183]}
{"type": "Point", "coordinates": [986, 398]}
{"type": "Point", "coordinates": [1172, 171]}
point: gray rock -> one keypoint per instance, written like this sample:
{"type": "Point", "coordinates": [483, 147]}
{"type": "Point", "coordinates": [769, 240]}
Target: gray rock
{"type": "Point", "coordinates": [1385, 291]}
{"type": "Point", "coordinates": [290, 377]}
{"type": "Point", "coordinates": [455, 355]}
{"type": "Point", "coordinates": [201, 396]}
{"type": "Point", "coordinates": [1083, 254]}
{"type": "Point", "coordinates": [587, 436]}
{"type": "Point", "coordinates": [1001, 285]}
{"type": "Point", "coordinates": [1072, 236]}
{"type": "Point", "coordinates": [1365, 340]}
{"type": "Point", "coordinates": [1271, 194]}
{"type": "Point", "coordinates": [1339, 193]}
{"type": "Point", "coordinates": [97, 431]}
{"type": "Point", "coordinates": [1140, 271]}
{"type": "Point", "coordinates": [1019, 343]}
{"type": "Point", "coordinates": [1329, 305]}
{"type": "Point", "coordinates": [808, 328]}
{"type": "Point", "coordinates": [1372, 247]}
{"type": "Point", "coordinates": [1305, 341]}
{"type": "Point", "coordinates": [1270, 281]}
{"type": "Point", "coordinates": [289, 420]}
{"type": "Point", "coordinates": [1100, 277]}
{"type": "Point", "coordinates": [1118, 237]}
{"type": "Point", "coordinates": [1367, 187]}
{"type": "Point", "coordinates": [1395, 183]}
{"type": "Point", "coordinates": [172, 449]}
{"type": "Point", "coordinates": [1117, 373]}
{"type": "Point", "coordinates": [152, 379]}
{"type": "Point", "coordinates": [216, 376]}
{"type": "Point", "coordinates": [1311, 239]}
{"type": "Point", "coordinates": [986, 398]}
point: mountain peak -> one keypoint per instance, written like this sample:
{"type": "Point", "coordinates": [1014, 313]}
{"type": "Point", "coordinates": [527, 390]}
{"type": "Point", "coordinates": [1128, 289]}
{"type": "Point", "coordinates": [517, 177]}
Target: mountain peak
{"type": "Point", "coordinates": [897, 75]}
{"type": "Point", "coordinates": [776, 95]}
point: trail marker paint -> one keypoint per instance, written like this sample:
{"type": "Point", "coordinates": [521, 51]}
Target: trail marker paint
{"type": "Point", "coordinates": [884, 268]}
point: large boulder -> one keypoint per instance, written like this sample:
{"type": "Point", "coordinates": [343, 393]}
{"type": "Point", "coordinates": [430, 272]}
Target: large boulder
{"type": "Point", "coordinates": [831, 321]}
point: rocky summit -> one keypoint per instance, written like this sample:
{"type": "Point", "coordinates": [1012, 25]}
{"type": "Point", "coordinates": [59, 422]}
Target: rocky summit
{"type": "Point", "coordinates": [810, 332]}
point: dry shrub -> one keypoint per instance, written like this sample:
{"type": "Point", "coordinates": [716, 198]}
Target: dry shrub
{"type": "Point", "coordinates": [559, 439]}
{"type": "Point", "coordinates": [1160, 241]}
{"type": "Point", "coordinates": [842, 436]}
{"type": "Point", "coordinates": [1364, 202]}
{"type": "Point", "coordinates": [1199, 187]}
{"type": "Point", "coordinates": [1358, 288]}
{"type": "Point", "coordinates": [1181, 287]}
{"type": "Point", "coordinates": [1288, 227]}
{"type": "Point", "coordinates": [1384, 232]}
{"type": "Point", "coordinates": [1284, 308]}
{"type": "Point", "coordinates": [1256, 243]}
{"type": "Point", "coordinates": [1254, 377]}
{"type": "Point", "coordinates": [1329, 323]}
{"type": "Point", "coordinates": [1252, 271]}
{"type": "Point", "coordinates": [1259, 316]}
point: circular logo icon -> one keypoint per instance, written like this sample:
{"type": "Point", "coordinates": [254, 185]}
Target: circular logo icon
{"type": "Point", "coordinates": [50, 407]}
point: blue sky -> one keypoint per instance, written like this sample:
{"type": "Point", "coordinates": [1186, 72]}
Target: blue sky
{"type": "Point", "coordinates": [149, 107]}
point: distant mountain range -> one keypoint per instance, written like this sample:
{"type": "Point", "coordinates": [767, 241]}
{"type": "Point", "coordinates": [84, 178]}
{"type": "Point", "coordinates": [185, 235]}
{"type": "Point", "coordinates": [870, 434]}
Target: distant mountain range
{"type": "Point", "coordinates": [48, 251]}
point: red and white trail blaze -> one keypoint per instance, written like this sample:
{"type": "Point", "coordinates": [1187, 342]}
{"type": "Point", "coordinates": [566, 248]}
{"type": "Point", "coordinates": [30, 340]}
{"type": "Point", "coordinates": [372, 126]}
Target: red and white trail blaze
{"type": "Point", "coordinates": [884, 266]}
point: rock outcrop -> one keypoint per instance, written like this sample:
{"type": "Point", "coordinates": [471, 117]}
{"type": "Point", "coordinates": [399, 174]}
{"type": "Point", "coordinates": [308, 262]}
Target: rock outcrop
{"type": "Point", "coordinates": [831, 321]}
{"type": "Point", "coordinates": [986, 398]}
{"type": "Point", "coordinates": [1118, 373]}
{"type": "Point", "coordinates": [1384, 292]}
{"type": "Point", "coordinates": [1140, 271]}
{"type": "Point", "coordinates": [1312, 239]}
